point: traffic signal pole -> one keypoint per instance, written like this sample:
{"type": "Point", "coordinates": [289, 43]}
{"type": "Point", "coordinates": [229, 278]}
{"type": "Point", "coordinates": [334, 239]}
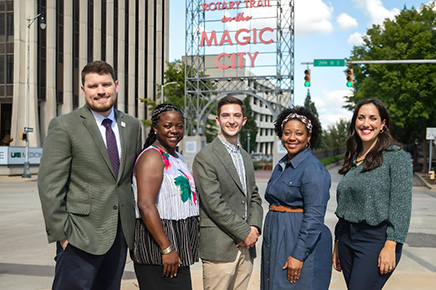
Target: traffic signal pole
{"type": "Point", "coordinates": [350, 72]}
{"type": "Point", "coordinates": [407, 61]}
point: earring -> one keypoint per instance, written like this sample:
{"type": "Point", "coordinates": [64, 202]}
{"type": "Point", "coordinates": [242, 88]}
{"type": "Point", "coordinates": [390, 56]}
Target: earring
{"type": "Point", "coordinates": [155, 132]}
{"type": "Point", "coordinates": [308, 144]}
{"type": "Point", "coordinates": [381, 131]}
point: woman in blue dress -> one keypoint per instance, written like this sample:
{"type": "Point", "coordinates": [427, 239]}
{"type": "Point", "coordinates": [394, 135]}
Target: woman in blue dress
{"type": "Point", "coordinates": [297, 246]}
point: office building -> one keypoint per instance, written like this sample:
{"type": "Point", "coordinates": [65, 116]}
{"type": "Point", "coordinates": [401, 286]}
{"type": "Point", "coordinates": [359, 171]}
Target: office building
{"type": "Point", "coordinates": [131, 35]}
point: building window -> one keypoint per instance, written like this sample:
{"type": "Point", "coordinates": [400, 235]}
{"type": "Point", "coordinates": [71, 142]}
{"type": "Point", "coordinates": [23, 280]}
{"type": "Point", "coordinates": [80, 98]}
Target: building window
{"type": "Point", "coordinates": [42, 55]}
{"type": "Point", "coordinates": [60, 51]}
{"type": "Point", "coordinates": [76, 31]}
{"type": "Point", "coordinates": [90, 30]}
{"type": "Point", "coordinates": [136, 55]}
{"type": "Point", "coordinates": [103, 28]}
{"type": "Point", "coordinates": [145, 53]}
{"type": "Point", "coordinates": [126, 58]}
{"type": "Point", "coordinates": [6, 49]}
{"type": "Point", "coordinates": [115, 64]}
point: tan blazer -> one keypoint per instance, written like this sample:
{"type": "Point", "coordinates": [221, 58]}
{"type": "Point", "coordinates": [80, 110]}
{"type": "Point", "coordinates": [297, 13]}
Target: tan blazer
{"type": "Point", "coordinates": [80, 196]}
{"type": "Point", "coordinates": [222, 202]}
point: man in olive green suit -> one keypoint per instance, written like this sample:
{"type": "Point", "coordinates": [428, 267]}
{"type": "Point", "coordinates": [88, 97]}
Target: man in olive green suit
{"type": "Point", "coordinates": [84, 185]}
{"type": "Point", "coordinates": [230, 206]}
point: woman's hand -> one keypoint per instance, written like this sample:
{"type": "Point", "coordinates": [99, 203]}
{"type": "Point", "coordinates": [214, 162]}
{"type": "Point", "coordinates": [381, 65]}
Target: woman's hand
{"type": "Point", "coordinates": [171, 264]}
{"type": "Point", "coordinates": [294, 268]}
{"type": "Point", "coordinates": [336, 261]}
{"type": "Point", "coordinates": [386, 258]}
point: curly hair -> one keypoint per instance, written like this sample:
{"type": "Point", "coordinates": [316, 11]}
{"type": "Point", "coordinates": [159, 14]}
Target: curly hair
{"type": "Point", "coordinates": [155, 116]}
{"type": "Point", "coordinates": [374, 158]}
{"type": "Point", "coordinates": [316, 126]}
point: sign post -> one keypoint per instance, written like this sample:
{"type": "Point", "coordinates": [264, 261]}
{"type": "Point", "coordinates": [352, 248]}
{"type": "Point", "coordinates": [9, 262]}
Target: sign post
{"type": "Point", "coordinates": [431, 135]}
{"type": "Point", "coordinates": [329, 62]}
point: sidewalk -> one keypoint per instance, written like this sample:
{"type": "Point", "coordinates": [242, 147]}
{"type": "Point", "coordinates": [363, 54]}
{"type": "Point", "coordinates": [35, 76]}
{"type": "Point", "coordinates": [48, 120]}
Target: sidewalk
{"type": "Point", "coordinates": [26, 260]}
{"type": "Point", "coordinates": [425, 178]}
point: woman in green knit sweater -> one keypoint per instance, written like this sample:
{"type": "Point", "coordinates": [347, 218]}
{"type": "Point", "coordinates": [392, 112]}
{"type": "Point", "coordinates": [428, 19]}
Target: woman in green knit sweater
{"type": "Point", "coordinates": [374, 200]}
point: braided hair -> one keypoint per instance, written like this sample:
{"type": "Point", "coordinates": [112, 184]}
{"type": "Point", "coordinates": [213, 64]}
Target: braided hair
{"type": "Point", "coordinates": [155, 116]}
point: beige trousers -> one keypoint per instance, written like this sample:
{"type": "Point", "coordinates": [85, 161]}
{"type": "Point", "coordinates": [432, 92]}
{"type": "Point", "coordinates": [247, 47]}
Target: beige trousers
{"type": "Point", "coordinates": [228, 275]}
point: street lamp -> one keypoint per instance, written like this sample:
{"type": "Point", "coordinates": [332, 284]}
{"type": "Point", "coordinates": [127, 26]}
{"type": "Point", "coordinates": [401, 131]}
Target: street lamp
{"type": "Point", "coordinates": [248, 141]}
{"type": "Point", "coordinates": [43, 25]}
{"type": "Point", "coordinates": [162, 89]}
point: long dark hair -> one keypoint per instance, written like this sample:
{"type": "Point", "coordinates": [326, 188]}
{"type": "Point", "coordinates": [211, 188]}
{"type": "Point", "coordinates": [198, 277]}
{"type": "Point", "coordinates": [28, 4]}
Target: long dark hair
{"type": "Point", "coordinates": [155, 116]}
{"type": "Point", "coordinates": [316, 126]}
{"type": "Point", "coordinates": [373, 158]}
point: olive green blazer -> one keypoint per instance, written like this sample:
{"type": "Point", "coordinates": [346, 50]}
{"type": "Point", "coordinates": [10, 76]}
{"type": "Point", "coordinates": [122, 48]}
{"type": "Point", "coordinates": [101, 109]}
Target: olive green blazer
{"type": "Point", "coordinates": [222, 202]}
{"type": "Point", "coordinates": [81, 198]}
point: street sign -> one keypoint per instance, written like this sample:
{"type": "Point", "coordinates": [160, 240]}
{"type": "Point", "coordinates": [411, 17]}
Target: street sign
{"type": "Point", "coordinates": [27, 129]}
{"type": "Point", "coordinates": [329, 62]}
{"type": "Point", "coordinates": [431, 133]}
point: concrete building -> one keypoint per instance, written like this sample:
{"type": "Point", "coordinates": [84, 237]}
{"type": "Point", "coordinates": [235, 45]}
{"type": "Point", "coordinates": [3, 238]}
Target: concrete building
{"type": "Point", "coordinates": [132, 35]}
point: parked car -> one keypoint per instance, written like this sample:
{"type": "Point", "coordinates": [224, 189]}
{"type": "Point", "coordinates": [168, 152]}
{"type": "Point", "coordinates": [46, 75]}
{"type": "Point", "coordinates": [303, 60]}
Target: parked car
{"type": "Point", "coordinates": [257, 156]}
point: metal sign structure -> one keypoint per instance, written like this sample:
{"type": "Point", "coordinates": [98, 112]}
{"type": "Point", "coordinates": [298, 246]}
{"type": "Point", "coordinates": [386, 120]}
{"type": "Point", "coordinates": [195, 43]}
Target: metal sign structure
{"type": "Point", "coordinates": [242, 48]}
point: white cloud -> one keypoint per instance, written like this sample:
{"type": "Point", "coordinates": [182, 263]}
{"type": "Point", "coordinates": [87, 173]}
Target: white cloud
{"type": "Point", "coordinates": [329, 106]}
{"type": "Point", "coordinates": [312, 17]}
{"type": "Point", "coordinates": [346, 22]}
{"type": "Point", "coordinates": [355, 39]}
{"type": "Point", "coordinates": [376, 11]}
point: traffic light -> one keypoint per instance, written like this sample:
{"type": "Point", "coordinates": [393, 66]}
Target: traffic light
{"type": "Point", "coordinates": [23, 136]}
{"type": "Point", "coordinates": [307, 78]}
{"type": "Point", "coordinates": [350, 77]}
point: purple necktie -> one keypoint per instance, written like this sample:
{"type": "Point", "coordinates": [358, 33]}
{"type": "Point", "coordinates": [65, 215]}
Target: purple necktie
{"type": "Point", "coordinates": [111, 144]}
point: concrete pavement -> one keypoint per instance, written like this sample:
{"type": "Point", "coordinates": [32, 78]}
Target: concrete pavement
{"type": "Point", "coordinates": [26, 260]}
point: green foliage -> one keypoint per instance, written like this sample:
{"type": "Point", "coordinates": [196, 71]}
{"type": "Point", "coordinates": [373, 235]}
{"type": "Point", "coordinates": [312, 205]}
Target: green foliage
{"type": "Point", "coordinates": [335, 135]}
{"type": "Point", "coordinates": [309, 105]}
{"type": "Point", "coordinates": [407, 90]}
{"type": "Point", "coordinates": [174, 94]}
{"type": "Point", "coordinates": [150, 104]}
{"type": "Point", "coordinates": [250, 125]}
{"type": "Point", "coordinates": [331, 159]}
{"type": "Point", "coordinates": [262, 165]}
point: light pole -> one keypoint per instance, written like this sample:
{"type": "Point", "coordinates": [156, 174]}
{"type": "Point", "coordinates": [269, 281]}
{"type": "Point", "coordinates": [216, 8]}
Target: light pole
{"type": "Point", "coordinates": [248, 141]}
{"type": "Point", "coordinates": [162, 90]}
{"type": "Point", "coordinates": [27, 130]}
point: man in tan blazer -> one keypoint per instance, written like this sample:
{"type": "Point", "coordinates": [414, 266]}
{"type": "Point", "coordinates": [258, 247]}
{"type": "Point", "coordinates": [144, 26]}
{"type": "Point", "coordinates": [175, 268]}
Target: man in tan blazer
{"type": "Point", "coordinates": [230, 206]}
{"type": "Point", "coordinates": [84, 184]}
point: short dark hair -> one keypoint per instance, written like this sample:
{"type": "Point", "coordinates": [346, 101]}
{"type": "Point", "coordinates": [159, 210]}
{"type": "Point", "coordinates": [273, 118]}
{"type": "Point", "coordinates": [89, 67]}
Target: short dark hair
{"type": "Point", "coordinates": [374, 158]}
{"type": "Point", "coordinates": [230, 100]}
{"type": "Point", "coordinates": [98, 66]}
{"type": "Point", "coordinates": [316, 126]}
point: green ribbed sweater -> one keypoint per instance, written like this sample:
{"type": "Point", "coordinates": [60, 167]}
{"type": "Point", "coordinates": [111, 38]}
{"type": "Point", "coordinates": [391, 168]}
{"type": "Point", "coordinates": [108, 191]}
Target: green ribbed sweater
{"type": "Point", "coordinates": [378, 195]}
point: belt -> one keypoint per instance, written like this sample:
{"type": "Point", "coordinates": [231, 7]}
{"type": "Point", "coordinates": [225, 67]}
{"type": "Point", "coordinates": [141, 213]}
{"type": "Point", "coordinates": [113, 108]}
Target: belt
{"type": "Point", "coordinates": [282, 208]}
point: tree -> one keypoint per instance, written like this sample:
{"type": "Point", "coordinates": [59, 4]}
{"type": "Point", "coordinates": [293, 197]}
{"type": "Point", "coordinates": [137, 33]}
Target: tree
{"type": "Point", "coordinates": [336, 135]}
{"type": "Point", "coordinates": [250, 126]}
{"type": "Point", "coordinates": [309, 105]}
{"type": "Point", "coordinates": [174, 94]}
{"type": "Point", "coordinates": [407, 90]}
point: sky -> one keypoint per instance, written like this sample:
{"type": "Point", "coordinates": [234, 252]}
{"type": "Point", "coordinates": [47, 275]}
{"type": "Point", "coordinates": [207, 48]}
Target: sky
{"type": "Point", "coordinates": [323, 30]}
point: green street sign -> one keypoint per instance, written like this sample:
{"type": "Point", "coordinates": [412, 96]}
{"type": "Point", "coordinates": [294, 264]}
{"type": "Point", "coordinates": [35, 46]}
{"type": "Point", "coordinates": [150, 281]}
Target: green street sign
{"type": "Point", "coordinates": [329, 62]}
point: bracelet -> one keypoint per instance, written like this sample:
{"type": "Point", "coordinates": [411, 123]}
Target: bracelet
{"type": "Point", "coordinates": [167, 250]}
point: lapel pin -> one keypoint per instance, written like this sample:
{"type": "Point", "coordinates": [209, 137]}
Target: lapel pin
{"type": "Point", "coordinates": [123, 124]}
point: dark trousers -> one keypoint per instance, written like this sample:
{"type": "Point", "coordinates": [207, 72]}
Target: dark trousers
{"type": "Point", "coordinates": [359, 246]}
{"type": "Point", "coordinates": [151, 277]}
{"type": "Point", "coordinates": [79, 270]}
